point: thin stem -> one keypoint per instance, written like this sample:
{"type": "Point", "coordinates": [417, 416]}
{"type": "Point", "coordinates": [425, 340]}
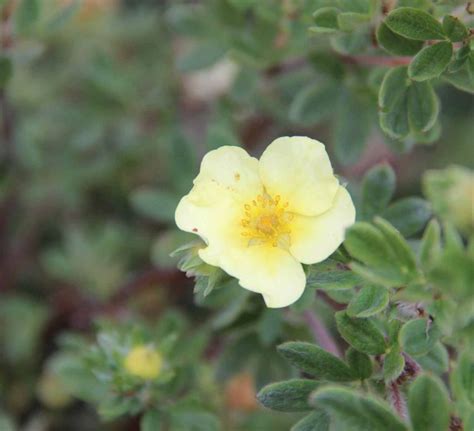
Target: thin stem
{"type": "Point", "coordinates": [321, 333]}
{"type": "Point", "coordinates": [388, 6]}
{"type": "Point", "coordinates": [373, 60]}
{"type": "Point", "coordinates": [397, 400]}
{"type": "Point", "coordinates": [6, 111]}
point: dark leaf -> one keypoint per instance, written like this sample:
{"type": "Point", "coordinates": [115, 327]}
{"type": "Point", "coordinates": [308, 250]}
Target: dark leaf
{"type": "Point", "coordinates": [362, 334]}
{"type": "Point", "coordinates": [414, 24]}
{"type": "Point", "coordinates": [315, 361]}
{"type": "Point", "coordinates": [396, 44]}
{"type": "Point", "coordinates": [288, 396]}
{"type": "Point", "coordinates": [428, 404]}
{"type": "Point", "coordinates": [356, 411]}
{"type": "Point", "coordinates": [431, 61]}
{"type": "Point", "coordinates": [378, 187]}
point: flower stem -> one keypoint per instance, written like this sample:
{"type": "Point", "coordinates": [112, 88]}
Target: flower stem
{"type": "Point", "coordinates": [321, 333]}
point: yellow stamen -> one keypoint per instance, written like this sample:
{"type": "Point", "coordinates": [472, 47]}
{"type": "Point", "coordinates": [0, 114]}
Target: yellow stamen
{"type": "Point", "coordinates": [266, 223]}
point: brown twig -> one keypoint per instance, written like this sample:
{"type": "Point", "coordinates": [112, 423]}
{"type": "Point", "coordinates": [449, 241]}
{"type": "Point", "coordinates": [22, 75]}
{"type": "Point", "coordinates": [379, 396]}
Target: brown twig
{"type": "Point", "coordinates": [321, 333]}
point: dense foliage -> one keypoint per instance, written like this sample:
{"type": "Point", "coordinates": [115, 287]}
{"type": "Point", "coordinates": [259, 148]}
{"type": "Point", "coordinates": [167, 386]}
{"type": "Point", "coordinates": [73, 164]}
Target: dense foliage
{"type": "Point", "coordinates": [107, 108]}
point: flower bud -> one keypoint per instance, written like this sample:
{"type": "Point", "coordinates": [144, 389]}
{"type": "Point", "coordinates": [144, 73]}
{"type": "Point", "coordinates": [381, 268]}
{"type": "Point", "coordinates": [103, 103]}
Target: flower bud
{"type": "Point", "coordinates": [144, 362]}
{"type": "Point", "coordinates": [451, 192]}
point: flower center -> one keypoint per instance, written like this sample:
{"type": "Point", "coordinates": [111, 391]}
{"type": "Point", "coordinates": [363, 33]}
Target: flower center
{"type": "Point", "coordinates": [267, 221]}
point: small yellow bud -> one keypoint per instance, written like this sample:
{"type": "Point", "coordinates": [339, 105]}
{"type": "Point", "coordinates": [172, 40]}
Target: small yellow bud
{"type": "Point", "coordinates": [51, 391]}
{"type": "Point", "coordinates": [143, 361]}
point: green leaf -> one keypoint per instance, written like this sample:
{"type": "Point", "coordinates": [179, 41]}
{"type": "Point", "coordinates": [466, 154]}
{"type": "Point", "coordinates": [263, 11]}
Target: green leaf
{"type": "Point", "coordinates": [365, 242]}
{"type": "Point", "coordinates": [21, 346]}
{"type": "Point", "coordinates": [305, 301]}
{"type": "Point", "coordinates": [351, 43]}
{"type": "Point", "coordinates": [436, 360]}
{"type": "Point", "coordinates": [27, 14]}
{"type": "Point", "coordinates": [393, 364]}
{"type": "Point", "coordinates": [349, 21]}
{"type": "Point", "coordinates": [235, 355]}
{"type": "Point", "coordinates": [460, 58]}
{"type": "Point", "coordinates": [230, 312]}
{"type": "Point", "coordinates": [156, 204]}
{"type": "Point", "coordinates": [429, 136]}
{"type": "Point", "coordinates": [417, 337]}
{"type": "Point", "coordinates": [112, 408]}
{"type": "Point", "coordinates": [319, 420]}
{"type": "Point", "coordinates": [395, 44]}
{"type": "Point", "coordinates": [462, 379]}
{"type": "Point", "coordinates": [359, 6]}
{"type": "Point", "coordinates": [325, 20]}
{"type": "Point", "coordinates": [389, 259]}
{"type": "Point", "coordinates": [454, 28]}
{"type": "Point", "coordinates": [428, 404]}
{"type": "Point", "coordinates": [414, 24]}
{"type": "Point", "coordinates": [378, 187]}
{"type": "Point", "coordinates": [288, 396]}
{"type": "Point", "coordinates": [316, 361]}
{"type": "Point", "coordinates": [360, 363]}
{"type": "Point", "coordinates": [356, 412]}
{"type": "Point", "coordinates": [402, 252]}
{"type": "Point", "coordinates": [352, 127]}
{"type": "Point", "coordinates": [331, 276]}
{"type": "Point", "coordinates": [408, 215]}
{"type": "Point", "coordinates": [431, 61]}
{"type": "Point", "coordinates": [6, 71]}
{"type": "Point", "coordinates": [369, 300]}
{"type": "Point", "coordinates": [201, 56]}
{"type": "Point", "coordinates": [362, 334]}
{"type": "Point", "coordinates": [394, 84]}
{"type": "Point", "coordinates": [151, 421]}
{"type": "Point", "coordinates": [393, 100]}
{"type": "Point", "coordinates": [313, 103]}
{"type": "Point", "coordinates": [394, 122]}
{"type": "Point", "coordinates": [462, 79]}
{"type": "Point", "coordinates": [393, 329]}
{"type": "Point", "coordinates": [192, 419]}
{"type": "Point", "coordinates": [342, 296]}
{"type": "Point", "coordinates": [423, 107]}
{"type": "Point", "coordinates": [269, 326]}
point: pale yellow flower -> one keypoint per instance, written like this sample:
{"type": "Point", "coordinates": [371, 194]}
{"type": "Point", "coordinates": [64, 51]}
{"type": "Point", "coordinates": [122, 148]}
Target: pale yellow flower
{"type": "Point", "coordinates": [262, 218]}
{"type": "Point", "coordinates": [144, 362]}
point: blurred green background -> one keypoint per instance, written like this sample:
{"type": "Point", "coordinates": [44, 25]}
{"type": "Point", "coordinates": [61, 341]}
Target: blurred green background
{"type": "Point", "coordinates": [110, 106]}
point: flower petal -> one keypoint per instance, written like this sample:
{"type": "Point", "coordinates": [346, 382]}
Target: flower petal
{"type": "Point", "coordinates": [298, 169]}
{"type": "Point", "coordinates": [271, 271]}
{"type": "Point", "coordinates": [313, 239]}
{"type": "Point", "coordinates": [214, 206]}
{"type": "Point", "coordinates": [212, 215]}
{"type": "Point", "coordinates": [234, 170]}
